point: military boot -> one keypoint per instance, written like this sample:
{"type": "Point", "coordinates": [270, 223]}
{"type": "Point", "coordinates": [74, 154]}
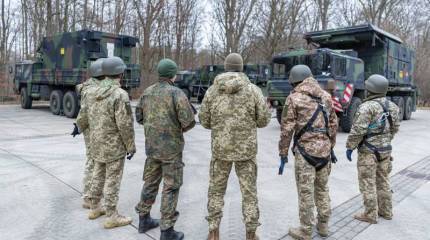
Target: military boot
{"type": "Point", "coordinates": [86, 204]}
{"type": "Point", "coordinates": [96, 210]}
{"type": "Point", "coordinates": [386, 217]}
{"type": "Point", "coordinates": [116, 220]}
{"type": "Point", "coordinates": [214, 234]}
{"type": "Point", "coordinates": [322, 229]}
{"type": "Point", "coordinates": [364, 218]}
{"type": "Point", "coordinates": [147, 223]}
{"type": "Point", "coordinates": [171, 234]}
{"type": "Point", "coordinates": [251, 235]}
{"type": "Point", "coordinates": [299, 234]}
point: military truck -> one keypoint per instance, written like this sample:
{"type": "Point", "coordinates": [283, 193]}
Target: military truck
{"type": "Point", "coordinates": [257, 74]}
{"type": "Point", "coordinates": [185, 80]}
{"type": "Point", "coordinates": [62, 62]}
{"type": "Point", "coordinates": [349, 56]}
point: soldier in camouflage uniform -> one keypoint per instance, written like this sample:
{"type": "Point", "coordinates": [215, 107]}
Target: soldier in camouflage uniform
{"type": "Point", "coordinates": [108, 114]}
{"type": "Point", "coordinates": [82, 89]}
{"type": "Point", "coordinates": [308, 114]}
{"type": "Point", "coordinates": [374, 126]}
{"type": "Point", "coordinates": [165, 113]}
{"type": "Point", "coordinates": [233, 108]}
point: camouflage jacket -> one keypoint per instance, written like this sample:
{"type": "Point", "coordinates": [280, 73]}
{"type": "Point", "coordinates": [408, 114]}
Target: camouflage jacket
{"type": "Point", "coordinates": [82, 90]}
{"type": "Point", "coordinates": [108, 114]}
{"type": "Point", "coordinates": [233, 108]}
{"type": "Point", "coordinates": [165, 113]}
{"type": "Point", "coordinates": [366, 121]}
{"type": "Point", "coordinates": [298, 110]}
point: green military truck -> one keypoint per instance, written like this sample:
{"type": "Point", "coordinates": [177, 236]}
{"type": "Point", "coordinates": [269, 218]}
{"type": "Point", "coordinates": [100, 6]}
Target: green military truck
{"type": "Point", "coordinates": [349, 56]}
{"type": "Point", "coordinates": [61, 63]}
{"type": "Point", "coordinates": [185, 80]}
{"type": "Point", "coordinates": [204, 77]}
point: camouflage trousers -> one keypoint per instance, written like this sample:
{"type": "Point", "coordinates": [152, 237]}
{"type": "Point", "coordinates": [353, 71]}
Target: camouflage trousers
{"type": "Point", "coordinates": [107, 176]}
{"type": "Point", "coordinates": [246, 171]}
{"type": "Point", "coordinates": [171, 171]}
{"type": "Point", "coordinates": [374, 182]}
{"type": "Point", "coordinates": [89, 167]}
{"type": "Point", "coordinates": [312, 188]}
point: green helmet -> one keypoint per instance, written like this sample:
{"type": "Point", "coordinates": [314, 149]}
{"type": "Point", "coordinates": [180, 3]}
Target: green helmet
{"type": "Point", "coordinates": [96, 68]}
{"type": "Point", "coordinates": [113, 66]}
{"type": "Point", "coordinates": [377, 84]}
{"type": "Point", "coordinates": [233, 63]}
{"type": "Point", "coordinates": [167, 68]}
{"type": "Point", "coordinates": [299, 73]}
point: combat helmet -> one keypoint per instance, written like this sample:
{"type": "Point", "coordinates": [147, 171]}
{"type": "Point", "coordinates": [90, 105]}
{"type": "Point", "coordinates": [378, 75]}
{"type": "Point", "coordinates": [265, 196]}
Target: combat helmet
{"type": "Point", "coordinates": [299, 73]}
{"type": "Point", "coordinates": [113, 66]}
{"type": "Point", "coordinates": [377, 84]}
{"type": "Point", "coordinates": [233, 63]}
{"type": "Point", "coordinates": [96, 68]}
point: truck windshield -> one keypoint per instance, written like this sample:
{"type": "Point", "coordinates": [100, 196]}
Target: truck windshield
{"type": "Point", "coordinates": [318, 63]}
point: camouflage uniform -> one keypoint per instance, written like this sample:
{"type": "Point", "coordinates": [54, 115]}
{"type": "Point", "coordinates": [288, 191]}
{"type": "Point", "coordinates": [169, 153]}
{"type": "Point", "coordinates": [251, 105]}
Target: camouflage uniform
{"type": "Point", "coordinates": [108, 113]}
{"type": "Point", "coordinates": [165, 113]}
{"type": "Point", "coordinates": [233, 108]}
{"type": "Point", "coordinates": [312, 185]}
{"type": "Point", "coordinates": [373, 175]}
{"type": "Point", "coordinates": [82, 89]}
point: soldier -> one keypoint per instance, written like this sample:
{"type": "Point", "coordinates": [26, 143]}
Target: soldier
{"type": "Point", "coordinates": [374, 126]}
{"type": "Point", "coordinates": [165, 113]}
{"type": "Point", "coordinates": [108, 114]}
{"type": "Point", "coordinates": [96, 74]}
{"type": "Point", "coordinates": [308, 114]}
{"type": "Point", "coordinates": [233, 108]}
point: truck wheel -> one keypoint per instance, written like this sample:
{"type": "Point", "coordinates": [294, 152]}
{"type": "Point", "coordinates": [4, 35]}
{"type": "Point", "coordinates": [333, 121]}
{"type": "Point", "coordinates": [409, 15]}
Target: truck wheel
{"type": "Point", "coordinates": [187, 92]}
{"type": "Point", "coordinates": [56, 102]}
{"type": "Point", "coordinates": [408, 108]}
{"type": "Point", "coordinates": [26, 100]}
{"type": "Point", "coordinates": [70, 104]}
{"type": "Point", "coordinates": [279, 115]}
{"type": "Point", "coordinates": [347, 119]}
{"type": "Point", "coordinates": [401, 104]}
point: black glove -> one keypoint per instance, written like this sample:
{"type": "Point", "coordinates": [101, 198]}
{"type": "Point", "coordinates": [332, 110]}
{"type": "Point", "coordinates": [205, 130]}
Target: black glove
{"type": "Point", "coordinates": [349, 154]}
{"type": "Point", "coordinates": [75, 130]}
{"type": "Point", "coordinates": [284, 159]}
{"type": "Point", "coordinates": [130, 156]}
{"type": "Point", "coordinates": [333, 157]}
{"type": "Point", "coordinates": [194, 109]}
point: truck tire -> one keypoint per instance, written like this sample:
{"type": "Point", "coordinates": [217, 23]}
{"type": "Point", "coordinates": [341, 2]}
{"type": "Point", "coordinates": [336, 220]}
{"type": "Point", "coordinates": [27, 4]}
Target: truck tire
{"type": "Point", "coordinates": [347, 119]}
{"type": "Point", "coordinates": [56, 102]}
{"type": "Point", "coordinates": [26, 100]}
{"type": "Point", "coordinates": [400, 102]}
{"type": "Point", "coordinates": [70, 104]}
{"type": "Point", "coordinates": [408, 108]}
{"type": "Point", "coordinates": [279, 115]}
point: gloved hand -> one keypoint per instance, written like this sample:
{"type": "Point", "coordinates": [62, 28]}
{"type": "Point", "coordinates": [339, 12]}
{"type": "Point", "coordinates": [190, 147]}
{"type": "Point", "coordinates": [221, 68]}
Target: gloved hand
{"type": "Point", "coordinates": [284, 159]}
{"type": "Point", "coordinates": [130, 156]}
{"type": "Point", "coordinates": [333, 157]}
{"type": "Point", "coordinates": [194, 109]}
{"type": "Point", "coordinates": [349, 154]}
{"type": "Point", "coordinates": [75, 130]}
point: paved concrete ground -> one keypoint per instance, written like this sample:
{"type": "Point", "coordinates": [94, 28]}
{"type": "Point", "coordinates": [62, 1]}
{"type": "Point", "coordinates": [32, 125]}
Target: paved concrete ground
{"type": "Point", "coordinates": [41, 168]}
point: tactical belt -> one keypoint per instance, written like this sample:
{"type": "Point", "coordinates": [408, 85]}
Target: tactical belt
{"type": "Point", "coordinates": [317, 162]}
{"type": "Point", "coordinates": [372, 147]}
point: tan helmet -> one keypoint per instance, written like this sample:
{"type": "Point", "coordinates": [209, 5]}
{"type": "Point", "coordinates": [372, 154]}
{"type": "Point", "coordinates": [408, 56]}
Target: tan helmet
{"type": "Point", "coordinates": [233, 63]}
{"type": "Point", "coordinates": [377, 84]}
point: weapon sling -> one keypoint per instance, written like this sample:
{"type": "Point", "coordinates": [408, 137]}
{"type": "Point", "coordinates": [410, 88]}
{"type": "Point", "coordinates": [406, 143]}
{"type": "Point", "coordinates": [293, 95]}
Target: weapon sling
{"type": "Point", "coordinates": [372, 147]}
{"type": "Point", "coordinates": [317, 162]}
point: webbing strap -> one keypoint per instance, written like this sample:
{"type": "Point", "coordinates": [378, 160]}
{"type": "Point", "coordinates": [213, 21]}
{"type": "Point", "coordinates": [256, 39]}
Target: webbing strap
{"type": "Point", "coordinates": [317, 162]}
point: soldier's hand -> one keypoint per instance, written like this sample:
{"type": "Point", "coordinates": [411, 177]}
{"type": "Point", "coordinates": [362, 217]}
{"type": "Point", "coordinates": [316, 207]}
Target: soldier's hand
{"type": "Point", "coordinates": [333, 157]}
{"type": "Point", "coordinates": [130, 156]}
{"type": "Point", "coordinates": [75, 130]}
{"type": "Point", "coordinates": [284, 159]}
{"type": "Point", "coordinates": [349, 154]}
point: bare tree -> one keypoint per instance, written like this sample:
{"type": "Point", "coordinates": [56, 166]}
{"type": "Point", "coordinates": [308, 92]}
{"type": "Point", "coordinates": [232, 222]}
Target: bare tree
{"type": "Point", "coordinates": [375, 10]}
{"type": "Point", "coordinates": [323, 7]}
